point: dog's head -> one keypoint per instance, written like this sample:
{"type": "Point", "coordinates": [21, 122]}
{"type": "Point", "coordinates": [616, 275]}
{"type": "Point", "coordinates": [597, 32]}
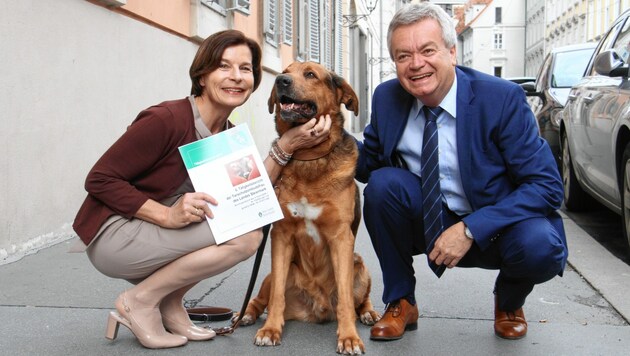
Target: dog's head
{"type": "Point", "coordinates": [307, 90]}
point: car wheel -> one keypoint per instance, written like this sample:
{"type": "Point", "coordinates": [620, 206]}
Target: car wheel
{"type": "Point", "coordinates": [575, 198]}
{"type": "Point", "coordinates": [625, 195]}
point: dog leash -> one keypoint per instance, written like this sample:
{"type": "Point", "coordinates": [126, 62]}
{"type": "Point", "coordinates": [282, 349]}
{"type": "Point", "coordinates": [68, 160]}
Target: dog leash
{"type": "Point", "coordinates": [220, 313]}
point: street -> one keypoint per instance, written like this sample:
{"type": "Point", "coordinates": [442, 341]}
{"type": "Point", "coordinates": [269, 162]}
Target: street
{"type": "Point", "coordinates": [55, 303]}
{"type": "Point", "coordinates": [605, 227]}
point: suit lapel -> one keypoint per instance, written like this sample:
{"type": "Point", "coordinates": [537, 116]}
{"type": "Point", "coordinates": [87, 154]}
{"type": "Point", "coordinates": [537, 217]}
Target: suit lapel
{"type": "Point", "coordinates": [397, 119]}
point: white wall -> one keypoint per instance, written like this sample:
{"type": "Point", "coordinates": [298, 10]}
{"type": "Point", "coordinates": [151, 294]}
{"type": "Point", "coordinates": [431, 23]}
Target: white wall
{"type": "Point", "coordinates": [74, 75]}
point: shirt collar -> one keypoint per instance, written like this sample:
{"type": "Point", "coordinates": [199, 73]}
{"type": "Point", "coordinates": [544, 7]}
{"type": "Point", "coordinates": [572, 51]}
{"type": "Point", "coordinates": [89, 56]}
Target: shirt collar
{"type": "Point", "coordinates": [448, 104]}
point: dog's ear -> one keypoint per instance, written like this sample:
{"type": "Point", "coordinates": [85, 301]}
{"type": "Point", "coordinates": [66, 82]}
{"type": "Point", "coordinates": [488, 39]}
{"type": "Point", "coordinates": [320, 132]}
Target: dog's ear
{"type": "Point", "coordinates": [346, 94]}
{"type": "Point", "coordinates": [271, 103]}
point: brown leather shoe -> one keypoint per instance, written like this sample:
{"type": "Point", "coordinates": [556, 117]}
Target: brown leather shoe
{"type": "Point", "coordinates": [399, 316]}
{"type": "Point", "coordinates": [509, 324]}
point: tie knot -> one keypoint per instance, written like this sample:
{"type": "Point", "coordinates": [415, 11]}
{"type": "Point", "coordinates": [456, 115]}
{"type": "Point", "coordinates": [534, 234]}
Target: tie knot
{"type": "Point", "coordinates": [431, 113]}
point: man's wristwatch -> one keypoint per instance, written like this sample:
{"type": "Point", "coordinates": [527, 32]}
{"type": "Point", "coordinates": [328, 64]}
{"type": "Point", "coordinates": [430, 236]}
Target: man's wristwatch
{"type": "Point", "coordinates": [468, 233]}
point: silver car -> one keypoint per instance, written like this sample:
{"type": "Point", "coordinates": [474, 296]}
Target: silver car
{"type": "Point", "coordinates": [562, 68]}
{"type": "Point", "coordinates": [595, 129]}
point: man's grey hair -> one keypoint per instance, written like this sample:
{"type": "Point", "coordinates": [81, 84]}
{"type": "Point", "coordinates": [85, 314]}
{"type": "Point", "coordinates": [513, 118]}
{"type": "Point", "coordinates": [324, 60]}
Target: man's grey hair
{"type": "Point", "coordinates": [412, 13]}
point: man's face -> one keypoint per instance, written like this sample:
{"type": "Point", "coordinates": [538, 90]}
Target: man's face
{"type": "Point", "coordinates": [424, 65]}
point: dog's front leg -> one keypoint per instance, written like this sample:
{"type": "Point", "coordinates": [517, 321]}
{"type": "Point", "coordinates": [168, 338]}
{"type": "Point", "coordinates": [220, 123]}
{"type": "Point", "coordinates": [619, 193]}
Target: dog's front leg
{"type": "Point", "coordinates": [281, 251]}
{"type": "Point", "coordinates": [342, 253]}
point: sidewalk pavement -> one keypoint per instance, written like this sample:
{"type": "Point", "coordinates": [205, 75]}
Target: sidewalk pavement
{"type": "Point", "coordinates": [55, 303]}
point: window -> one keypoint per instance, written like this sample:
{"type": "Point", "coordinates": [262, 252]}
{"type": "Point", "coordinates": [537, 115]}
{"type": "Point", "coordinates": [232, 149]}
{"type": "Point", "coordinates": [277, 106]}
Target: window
{"type": "Point", "coordinates": [223, 6]}
{"type": "Point", "coordinates": [313, 30]}
{"type": "Point", "coordinates": [622, 43]}
{"type": "Point", "coordinates": [287, 22]}
{"type": "Point", "coordinates": [568, 67]}
{"type": "Point", "coordinates": [302, 41]}
{"type": "Point", "coordinates": [217, 5]}
{"type": "Point", "coordinates": [604, 44]}
{"type": "Point", "coordinates": [326, 36]}
{"type": "Point", "coordinates": [271, 21]}
{"type": "Point", "coordinates": [308, 27]}
{"type": "Point", "coordinates": [498, 41]}
{"type": "Point", "coordinates": [241, 6]}
{"type": "Point", "coordinates": [497, 71]}
{"type": "Point", "coordinates": [497, 15]}
{"type": "Point", "coordinates": [338, 39]}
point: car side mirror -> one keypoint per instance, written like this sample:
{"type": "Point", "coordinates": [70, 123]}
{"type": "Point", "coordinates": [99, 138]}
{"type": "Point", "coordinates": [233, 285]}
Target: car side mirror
{"type": "Point", "coordinates": [530, 90]}
{"type": "Point", "coordinates": [610, 64]}
{"type": "Point", "coordinates": [528, 86]}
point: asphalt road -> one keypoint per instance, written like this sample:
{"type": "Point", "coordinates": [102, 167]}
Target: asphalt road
{"type": "Point", "coordinates": [605, 227]}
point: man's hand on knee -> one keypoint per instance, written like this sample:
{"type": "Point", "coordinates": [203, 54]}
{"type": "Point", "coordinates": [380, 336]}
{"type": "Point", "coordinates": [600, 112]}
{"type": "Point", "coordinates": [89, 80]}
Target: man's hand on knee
{"type": "Point", "coordinates": [451, 246]}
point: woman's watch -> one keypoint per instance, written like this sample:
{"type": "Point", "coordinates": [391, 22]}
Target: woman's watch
{"type": "Point", "coordinates": [468, 233]}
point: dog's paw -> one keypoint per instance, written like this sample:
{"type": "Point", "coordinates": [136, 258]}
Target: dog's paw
{"type": "Point", "coordinates": [268, 337]}
{"type": "Point", "coordinates": [370, 317]}
{"type": "Point", "coordinates": [350, 346]}
{"type": "Point", "coordinates": [247, 319]}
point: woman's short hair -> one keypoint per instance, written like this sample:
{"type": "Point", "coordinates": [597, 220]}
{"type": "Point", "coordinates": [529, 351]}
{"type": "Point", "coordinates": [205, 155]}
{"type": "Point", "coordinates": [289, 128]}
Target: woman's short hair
{"type": "Point", "coordinates": [412, 13]}
{"type": "Point", "coordinates": [210, 53]}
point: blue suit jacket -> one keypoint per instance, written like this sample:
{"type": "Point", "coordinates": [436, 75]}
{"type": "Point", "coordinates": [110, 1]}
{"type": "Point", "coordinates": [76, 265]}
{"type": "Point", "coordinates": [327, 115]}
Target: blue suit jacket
{"type": "Point", "coordinates": [508, 171]}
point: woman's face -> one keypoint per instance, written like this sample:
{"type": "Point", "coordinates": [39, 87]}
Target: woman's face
{"type": "Point", "coordinates": [231, 84]}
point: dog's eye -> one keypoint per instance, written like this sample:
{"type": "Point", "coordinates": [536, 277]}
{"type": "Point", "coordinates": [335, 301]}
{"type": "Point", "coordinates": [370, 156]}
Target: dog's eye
{"type": "Point", "coordinates": [310, 75]}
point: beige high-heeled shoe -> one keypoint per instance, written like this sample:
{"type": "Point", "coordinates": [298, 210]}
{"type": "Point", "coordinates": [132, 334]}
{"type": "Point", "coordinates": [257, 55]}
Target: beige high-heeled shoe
{"type": "Point", "coordinates": [148, 339]}
{"type": "Point", "coordinates": [190, 331]}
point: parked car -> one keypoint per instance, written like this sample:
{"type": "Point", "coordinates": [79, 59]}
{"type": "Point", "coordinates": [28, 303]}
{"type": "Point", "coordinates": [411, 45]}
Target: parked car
{"type": "Point", "coordinates": [595, 129]}
{"type": "Point", "coordinates": [562, 68]}
{"type": "Point", "coordinates": [521, 80]}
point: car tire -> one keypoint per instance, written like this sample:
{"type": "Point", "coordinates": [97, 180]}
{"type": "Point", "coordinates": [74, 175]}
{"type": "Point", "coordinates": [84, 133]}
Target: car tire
{"type": "Point", "coordinates": [575, 198]}
{"type": "Point", "coordinates": [625, 195]}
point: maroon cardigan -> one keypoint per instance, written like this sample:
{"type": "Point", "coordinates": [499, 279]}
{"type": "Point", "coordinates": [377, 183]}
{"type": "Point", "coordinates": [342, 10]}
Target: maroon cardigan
{"type": "Point", "coordinates": [144, 163]}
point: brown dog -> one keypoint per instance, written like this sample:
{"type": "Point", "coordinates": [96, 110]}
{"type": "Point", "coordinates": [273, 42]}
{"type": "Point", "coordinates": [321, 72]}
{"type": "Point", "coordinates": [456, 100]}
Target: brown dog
{"type": "Point", "coordinates": [315, 274]}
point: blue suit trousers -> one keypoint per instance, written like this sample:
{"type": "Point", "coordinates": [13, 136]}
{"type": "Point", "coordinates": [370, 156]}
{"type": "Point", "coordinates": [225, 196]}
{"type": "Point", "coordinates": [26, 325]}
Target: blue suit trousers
{"type": "Point", "coordinates": [525, 254]}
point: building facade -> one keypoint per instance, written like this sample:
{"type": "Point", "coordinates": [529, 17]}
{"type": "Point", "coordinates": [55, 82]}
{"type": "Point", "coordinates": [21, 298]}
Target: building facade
{"type": "Point", "coordinates": [491, 36]}
{"type": "Point", "coordinates": [77, 72]}
{"type": "Point", "coordinates": [554, 23]}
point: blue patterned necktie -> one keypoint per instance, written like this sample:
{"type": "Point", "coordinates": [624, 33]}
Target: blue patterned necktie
{"type": "Point", "coordinates": [431, 192]}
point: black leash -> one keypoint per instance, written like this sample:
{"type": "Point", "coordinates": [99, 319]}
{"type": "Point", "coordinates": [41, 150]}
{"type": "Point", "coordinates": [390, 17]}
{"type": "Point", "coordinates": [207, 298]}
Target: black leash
{"type": "Point", "coordinates": [252, 280]}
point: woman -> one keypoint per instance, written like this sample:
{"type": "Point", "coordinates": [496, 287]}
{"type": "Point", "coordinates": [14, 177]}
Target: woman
{"type": "Point", "coordinates": [142, 219]}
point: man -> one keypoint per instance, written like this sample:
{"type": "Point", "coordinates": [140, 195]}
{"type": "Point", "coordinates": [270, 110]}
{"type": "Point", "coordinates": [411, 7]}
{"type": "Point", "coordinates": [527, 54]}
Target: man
{"type": "Point", "coordinates": [491, 203]}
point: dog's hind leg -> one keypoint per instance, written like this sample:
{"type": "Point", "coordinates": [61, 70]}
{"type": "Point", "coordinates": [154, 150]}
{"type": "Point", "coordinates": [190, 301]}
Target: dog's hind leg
{"type": "Point", "coordinates": [361, 289]}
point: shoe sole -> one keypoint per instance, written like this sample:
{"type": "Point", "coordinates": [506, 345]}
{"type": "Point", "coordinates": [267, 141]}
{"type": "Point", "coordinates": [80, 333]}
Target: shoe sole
{"type": "Point", "coordinates": [409, 327]}
{"type": "Point", "coordinates": [509, 337]}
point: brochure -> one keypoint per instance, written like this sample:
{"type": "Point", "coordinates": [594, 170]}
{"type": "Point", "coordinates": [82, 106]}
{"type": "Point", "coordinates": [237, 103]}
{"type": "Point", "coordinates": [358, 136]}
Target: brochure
{"type": "Point", "coordinates": [228, 167]}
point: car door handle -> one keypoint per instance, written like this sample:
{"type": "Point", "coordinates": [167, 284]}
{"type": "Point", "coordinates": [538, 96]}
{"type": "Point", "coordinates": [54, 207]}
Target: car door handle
{"type": "Point", "coordinates": [588, 99]}
{"type": "Point", "coordinates": [572, 97]}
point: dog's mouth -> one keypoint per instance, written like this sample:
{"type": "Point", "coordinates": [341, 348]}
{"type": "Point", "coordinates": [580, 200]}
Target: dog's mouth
{"type": "Point", "coordinates": [291, 109]}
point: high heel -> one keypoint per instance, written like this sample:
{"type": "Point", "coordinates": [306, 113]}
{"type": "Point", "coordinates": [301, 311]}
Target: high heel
{"type": "Point", "coordinates": [148, 339]}
{"type": "Point", "coordinates": [191, 331]}
{"type": "Point", "coordinates": [113, 322]}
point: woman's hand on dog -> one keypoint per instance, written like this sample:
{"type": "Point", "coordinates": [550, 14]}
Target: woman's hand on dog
{"type": "Point", "coordinates": [307, 135]}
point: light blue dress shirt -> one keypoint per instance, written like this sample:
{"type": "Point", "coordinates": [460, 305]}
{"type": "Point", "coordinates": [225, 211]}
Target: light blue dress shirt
{"type": "Point", "coordinates": [410, 148]}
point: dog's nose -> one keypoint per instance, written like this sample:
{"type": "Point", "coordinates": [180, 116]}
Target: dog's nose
{"type": "Point", "coordinates": [283, 81]}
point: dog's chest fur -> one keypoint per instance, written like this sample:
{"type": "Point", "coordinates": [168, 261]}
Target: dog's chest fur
{"type": "Point", "coordinates": [309, 212]}
{"type": "Point", "coordinates": [316, 195]}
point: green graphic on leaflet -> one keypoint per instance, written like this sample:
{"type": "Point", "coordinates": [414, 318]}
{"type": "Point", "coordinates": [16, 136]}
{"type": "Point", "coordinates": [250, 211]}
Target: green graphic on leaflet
{"type": "Point", "coordinates": [210, 148]}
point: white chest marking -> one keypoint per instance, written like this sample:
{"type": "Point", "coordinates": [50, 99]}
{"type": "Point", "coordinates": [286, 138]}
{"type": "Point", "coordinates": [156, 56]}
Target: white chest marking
{"type": "Point", "coordinates": [309, 212]}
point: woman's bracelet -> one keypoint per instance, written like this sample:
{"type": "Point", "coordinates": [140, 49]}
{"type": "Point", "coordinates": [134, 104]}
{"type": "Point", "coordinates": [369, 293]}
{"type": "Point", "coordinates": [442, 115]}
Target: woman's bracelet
{"type": "Point", "coordinates": [278, 155]}
{"type": "Point", "coordinates": [276, 158]}
{"type": "Point", "coordinates": [280, 151]}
